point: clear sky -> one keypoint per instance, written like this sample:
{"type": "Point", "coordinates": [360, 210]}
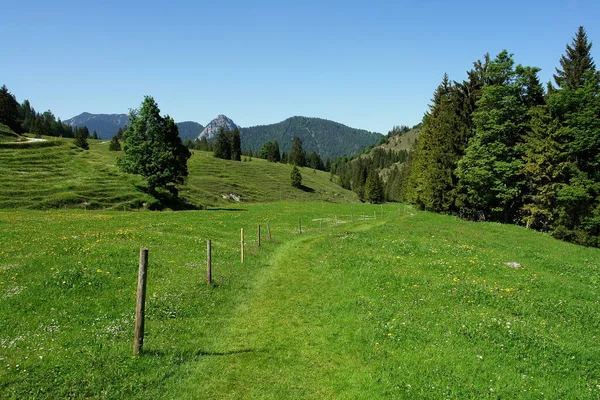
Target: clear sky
{"type": "Point", "coordinates": [367, 64]}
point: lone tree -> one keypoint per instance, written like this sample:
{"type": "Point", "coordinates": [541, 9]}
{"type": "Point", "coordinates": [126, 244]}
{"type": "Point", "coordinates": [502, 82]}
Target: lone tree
{"type": "Point", "coordinates": [114, 144]}
{"type": "Point", "coordinates": [296, 177]}
{"type": "Point", "coordinates": [81, 137]}
{"type": "Point", "coordinates": [152, 148]}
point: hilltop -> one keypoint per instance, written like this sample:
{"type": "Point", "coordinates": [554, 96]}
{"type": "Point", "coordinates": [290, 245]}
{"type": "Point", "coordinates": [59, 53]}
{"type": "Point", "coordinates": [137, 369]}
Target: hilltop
{"type": "Point", "coordinates": [328, 138]}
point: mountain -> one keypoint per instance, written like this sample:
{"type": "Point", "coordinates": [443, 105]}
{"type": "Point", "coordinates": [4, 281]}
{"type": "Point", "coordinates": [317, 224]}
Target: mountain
{"type": "Point", "coordinates": [106, 125]}
{"type": "Point", "coordinates": [328, 138]}
{"type": "Point", "coordinates": [189, 130]}
{"type": "Point", "coordinates": [212, 128]}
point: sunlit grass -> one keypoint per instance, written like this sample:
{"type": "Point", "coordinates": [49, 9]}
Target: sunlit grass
{"type": "Point", "coordinates": [408, 305]}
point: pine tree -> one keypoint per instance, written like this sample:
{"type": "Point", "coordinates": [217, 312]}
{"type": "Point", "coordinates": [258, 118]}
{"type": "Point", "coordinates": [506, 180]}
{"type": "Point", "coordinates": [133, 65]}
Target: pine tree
{"type": "Point", "coordinates": [114, 144]}
{"type": "Point", "coordinates": [296, 177]}
{"type": "Point", "coordinates": [81, 137]}
{"type": "Point", "coordinates": [9, 110]}
{"type": "Point", "coordinates": [576, 63]}
{"type": "Point", "coordinates": [152, 148]}
{"type": "Point", "coordinates": [374, 188]}
{"type": "Point", "coordinates": [275, 155]}
{"type": "Point", "coordinates": [297, 154]}
{"type": "Point", "coordinates": [222, 147]}
{"type": "Point", "coordinates": [236, 145]}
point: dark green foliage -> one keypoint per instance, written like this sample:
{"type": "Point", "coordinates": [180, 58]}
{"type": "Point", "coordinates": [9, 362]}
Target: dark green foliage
{"type": "Point", "coordinates": [236, 145]}
{"type": "Point", "coordinates": [374, 188]}
{"type": "Point", "coordinates": [114, 144]}
{"type": "Point", "coordinates": [270, 152]}
{"type": "Point", "coordinates": [329, 139]}
{"type": "Point", "coordinates": [491, 172]}
{"type": "Point", "coordinates": [296, 177]}
{"type": "Point", "coordinates": [315, 162]}
{"type": "Point", "coordinates": [297, 154]}
{"type": "Point", "coordinates": [9, 110]}
{"type": "Point", "coordinates": [95, 135]}
{"type": "Point", "coordinates": [81, 137]}
{"type": "Point", "coordinates": [153, 149]}
{"type": "Point", "coordinates": [222, 146]}
{"type": "Point", "coordinates": [576, 63]}
{"type": "Point", "coordinates": [227, 145]}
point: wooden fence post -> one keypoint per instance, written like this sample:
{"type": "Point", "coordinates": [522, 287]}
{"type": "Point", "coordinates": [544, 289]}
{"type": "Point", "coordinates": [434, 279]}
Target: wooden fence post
{"type": "Point", "coordinates": [209, 261]}
{"type": "Point", "coordinates": [242, 244]}
{"type": "Point", "coordinates": [269, 230]}
{"type": "Point", "coordinates": [258, 235]}
{"type": "Point", "coordinates": [299, 225]}
{"type": "Point", "coordinates": [138, 340]}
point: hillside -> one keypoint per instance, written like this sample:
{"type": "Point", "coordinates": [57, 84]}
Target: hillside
{"type": "Point", "coordinates": [56, 174]}
{"type": "Point", "coordinates": [106, 125]}
{"type": "Point", "coordinates": [189, 130]}
{"type": "Point", "coordinates": [329, 139]}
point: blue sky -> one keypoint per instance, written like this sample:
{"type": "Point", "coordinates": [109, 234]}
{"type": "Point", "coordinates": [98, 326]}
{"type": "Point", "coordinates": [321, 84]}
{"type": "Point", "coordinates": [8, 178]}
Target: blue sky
{"type": "Point", "coordinates": [367, 64]}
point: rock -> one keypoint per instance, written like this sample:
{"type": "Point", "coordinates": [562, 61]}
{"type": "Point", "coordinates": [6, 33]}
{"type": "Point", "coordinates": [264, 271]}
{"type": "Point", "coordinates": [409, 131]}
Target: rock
{"type": "Point", "coordinates": [513, 264]}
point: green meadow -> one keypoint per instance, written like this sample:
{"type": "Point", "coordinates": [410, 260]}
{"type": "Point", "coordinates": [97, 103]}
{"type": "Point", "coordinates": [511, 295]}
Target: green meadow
{"type": "Point", "coordinates": [366, 302]}
{"type": "Point", "coordinates": [386, 303]}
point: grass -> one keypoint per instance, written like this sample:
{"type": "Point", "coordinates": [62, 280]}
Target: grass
{"type": "Point", "coordinates": [7, 134]}
{"type": "Point", "coordinates": [56, 174]}
{"type": "Point", "coordinates": [408, 305]}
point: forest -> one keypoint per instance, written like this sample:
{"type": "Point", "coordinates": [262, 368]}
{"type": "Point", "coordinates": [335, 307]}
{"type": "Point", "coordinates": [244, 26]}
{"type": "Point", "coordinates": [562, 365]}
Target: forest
{"type": "Point", "coordinates": [499, 146]}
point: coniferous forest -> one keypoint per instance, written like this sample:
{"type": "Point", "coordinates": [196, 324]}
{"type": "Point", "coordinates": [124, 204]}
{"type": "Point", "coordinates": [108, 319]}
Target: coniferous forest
{"type": "Point", "coordinates": [499, 146]}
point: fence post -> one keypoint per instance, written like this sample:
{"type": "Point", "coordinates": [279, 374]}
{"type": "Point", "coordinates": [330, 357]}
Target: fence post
{"type": "Point", "coordinates": [258, 235]}
{"type": "Point", "coordinates": [138, 340]}
{"type": "Point", "coordinates": [269, 230]}
{"type": "Point", "coordinates": [299, 225]}
{"type": "Point", "coordinates": [242, 244]}
{"type": "Point", "coordinates": [209, 261]}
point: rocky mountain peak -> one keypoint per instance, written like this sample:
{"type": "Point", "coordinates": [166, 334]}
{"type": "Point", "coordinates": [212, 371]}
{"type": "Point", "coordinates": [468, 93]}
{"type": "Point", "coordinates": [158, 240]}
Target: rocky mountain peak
{"type": "Point", "coordinates": [211, 130]}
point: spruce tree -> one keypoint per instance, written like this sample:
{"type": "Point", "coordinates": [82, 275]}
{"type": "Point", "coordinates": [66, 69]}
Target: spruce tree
{"type": "Point", "coordinates": [296, 177]}
{"type": "Point", "coordinates": [114, 144]}
{"type": "Point", "coordinates": [374, 188]}
{"type": "Point", "coordinates": [236, 145]}
{"type": "Point", "coordinates": [222, 147]}
{"type": "Point", "coordinates": [152, 148]}
{"type": "Point", "coordinates": [576, 63]}
{"type": "Point", "coordinates": [297, 154]}
{"type": "Point", "coordinates": [81, 137]}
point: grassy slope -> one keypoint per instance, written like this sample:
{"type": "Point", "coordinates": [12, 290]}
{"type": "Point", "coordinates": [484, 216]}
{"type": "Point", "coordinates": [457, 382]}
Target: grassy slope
{"type": "Point", "coordinates": [412, 305]}
{"type": "Point", "coordinates": [7, 134]}
{"type": "Point", "coordinates": [57, 174]}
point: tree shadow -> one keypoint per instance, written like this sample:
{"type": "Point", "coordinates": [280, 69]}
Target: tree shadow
{"type": "Point", "coordinates": [193, 355]}
{"type": "Point", "coordinates": [307, 189]}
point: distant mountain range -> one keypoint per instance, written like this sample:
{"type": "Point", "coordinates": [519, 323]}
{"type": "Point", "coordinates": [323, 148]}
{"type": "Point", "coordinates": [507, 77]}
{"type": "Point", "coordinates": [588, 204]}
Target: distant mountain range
{"type": "Point", "coordinates": [107, 125]}
{"type": "Point", "coordinates": [328, 138]}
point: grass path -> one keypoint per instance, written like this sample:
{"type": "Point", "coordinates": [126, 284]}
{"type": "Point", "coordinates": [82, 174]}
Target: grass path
{"type": "Point", "coordinates": [298, 336]}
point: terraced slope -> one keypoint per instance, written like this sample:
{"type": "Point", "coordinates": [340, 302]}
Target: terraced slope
{"type": "Point", "coordinates": [57, 174]}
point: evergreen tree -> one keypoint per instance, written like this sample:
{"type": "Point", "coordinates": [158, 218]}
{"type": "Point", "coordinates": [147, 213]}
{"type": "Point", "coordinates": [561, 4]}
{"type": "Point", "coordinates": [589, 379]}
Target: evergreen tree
{"type": "Point", "coordinates": [374, 188]}
{"type": "Point", "coordinates": [297, 154]}
{"type": "Point", "coordinates": [222, 147]}
{"type": "Point", "coordinates": [492, 169]}
{"type": "Point", "coordinates": [274, 154]}
{"type": "Point", "coordinates": [203, 144]}
{"type": "Point", "coordinates": [114, 144]}
{"type": "Point", "coordinates": [95, 135]}
{"type": "Point", "coordinates": [152, 148]}
{"type": "Point", "coordinates": [266, 151]}
{"type": "Point", "coordinates": [81, 137]}
{"type": "Point", "coordinates": [236, 145]}
{"type": "Point", "coordinates": [296, 177]}
{"type": "Point", "coordinates": [9, 110]}
{"type": "Point", "coordinates": [576, 63]}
